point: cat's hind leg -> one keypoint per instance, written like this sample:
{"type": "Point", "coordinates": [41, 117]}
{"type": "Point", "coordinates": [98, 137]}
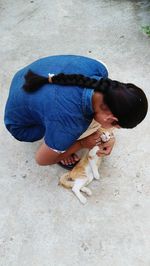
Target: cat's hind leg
{"type": "Point", "coordinates": [86, 190]}
{"type": "Point", "coordinates": [79, 183]}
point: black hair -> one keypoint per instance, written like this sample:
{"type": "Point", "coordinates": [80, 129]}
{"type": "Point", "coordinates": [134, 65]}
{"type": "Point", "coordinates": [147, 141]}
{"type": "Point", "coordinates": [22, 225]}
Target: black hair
{"type": "Point", "coordinates": [126, 101]}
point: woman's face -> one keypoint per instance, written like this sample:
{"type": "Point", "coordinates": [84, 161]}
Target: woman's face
{"type": "Point", "coordinates": [102, 114]}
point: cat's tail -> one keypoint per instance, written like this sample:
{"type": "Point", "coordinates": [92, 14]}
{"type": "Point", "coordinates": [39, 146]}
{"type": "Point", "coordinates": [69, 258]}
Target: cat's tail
{"type": "Point", "coordinates": [66, 181]}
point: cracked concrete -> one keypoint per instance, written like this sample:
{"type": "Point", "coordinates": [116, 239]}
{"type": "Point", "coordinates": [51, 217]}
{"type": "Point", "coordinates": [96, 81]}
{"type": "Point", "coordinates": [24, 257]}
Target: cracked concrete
{"type": "Point", "coordinates": [42, 224]}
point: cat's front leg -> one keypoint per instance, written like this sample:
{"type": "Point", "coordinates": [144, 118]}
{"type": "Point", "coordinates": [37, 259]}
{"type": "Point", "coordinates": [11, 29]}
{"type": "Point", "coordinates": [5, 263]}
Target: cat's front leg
{"type": "Point", "coordinates": [93, 161]}
{"type": "Point", "coordinates": [94, 168]}
{"type": "Point", "coordinates": [96, 175]}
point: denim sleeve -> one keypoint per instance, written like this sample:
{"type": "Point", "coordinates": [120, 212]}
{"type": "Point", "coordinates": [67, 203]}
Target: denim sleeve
{"type": "Point", "coordinates": [57, 137]}
{"type": "Point", "coordinates": [102, 69]}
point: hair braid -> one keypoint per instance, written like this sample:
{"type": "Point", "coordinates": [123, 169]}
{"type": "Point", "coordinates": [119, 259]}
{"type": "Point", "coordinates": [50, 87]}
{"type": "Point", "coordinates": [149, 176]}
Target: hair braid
{"type": "Point", "coordinates": [34, 81]}
{"type": "Point", "coordinates": [74, 80]}
{"type": "Point", "coordinates": [101, 85]}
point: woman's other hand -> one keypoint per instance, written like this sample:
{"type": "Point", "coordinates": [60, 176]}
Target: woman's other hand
{"type": "Point", "coordinates": [91, 141]}
{"type": "Point", "coordinates": [106, 147]}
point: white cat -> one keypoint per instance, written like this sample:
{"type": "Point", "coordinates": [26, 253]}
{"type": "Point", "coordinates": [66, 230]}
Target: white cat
{"type": "Point", "coordinates": [85, 171]}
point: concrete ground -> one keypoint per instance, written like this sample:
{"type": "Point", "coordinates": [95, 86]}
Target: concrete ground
{"type": "Point", "coordinates": [42, 224]}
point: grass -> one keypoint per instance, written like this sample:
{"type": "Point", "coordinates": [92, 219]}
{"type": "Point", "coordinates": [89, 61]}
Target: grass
{"type": "Point", "coordinates": [146, 30]}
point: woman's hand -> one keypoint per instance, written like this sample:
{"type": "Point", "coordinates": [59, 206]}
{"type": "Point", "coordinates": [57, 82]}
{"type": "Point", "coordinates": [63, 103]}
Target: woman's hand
{"type": "Point", "coordinates": [106, 147]}
{"type": "Point", "coordinates": [94, 139]}
{"type": "Point", "coordinates": [91, 141]}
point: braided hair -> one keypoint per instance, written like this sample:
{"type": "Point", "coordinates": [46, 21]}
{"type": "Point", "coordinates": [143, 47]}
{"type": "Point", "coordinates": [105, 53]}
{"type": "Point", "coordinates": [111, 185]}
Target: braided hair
{"type": "Point", "coordinates": [126, 101]}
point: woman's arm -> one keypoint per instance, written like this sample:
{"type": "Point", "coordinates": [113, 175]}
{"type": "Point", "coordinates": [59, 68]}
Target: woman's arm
{"type": "Point", "coordinates": [46, 156]}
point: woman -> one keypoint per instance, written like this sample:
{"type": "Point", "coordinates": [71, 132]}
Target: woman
{"type": "Point", "coordinates": [60, 107]}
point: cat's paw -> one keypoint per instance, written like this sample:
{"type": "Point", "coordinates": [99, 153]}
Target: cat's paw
{"type": "Point", "coordinates": [79, 195]}
{"type": "Point", "coordinates": [97, 176]}
{"type": "Point", "coordinates": [87, 191]}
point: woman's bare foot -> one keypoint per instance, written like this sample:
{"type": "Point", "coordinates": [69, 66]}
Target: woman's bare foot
{"type": "Point", "coordinates": [72, 159]}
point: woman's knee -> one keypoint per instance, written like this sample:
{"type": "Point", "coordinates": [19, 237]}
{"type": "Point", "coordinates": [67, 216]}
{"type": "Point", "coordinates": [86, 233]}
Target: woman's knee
{"type": "Point", "coordinates": [27, 133]}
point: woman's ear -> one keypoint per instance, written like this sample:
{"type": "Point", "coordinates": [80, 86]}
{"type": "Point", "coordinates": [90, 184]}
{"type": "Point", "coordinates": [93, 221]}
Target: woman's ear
{"type": "Point", "coordinates": [115, 119]}
{"type": "Point", "coordinates": [111, 119]}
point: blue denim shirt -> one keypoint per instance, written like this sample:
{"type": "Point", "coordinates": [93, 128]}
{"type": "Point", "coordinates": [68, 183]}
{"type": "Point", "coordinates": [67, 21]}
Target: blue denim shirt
{"type": "Point", "coordinates": [64, 112]}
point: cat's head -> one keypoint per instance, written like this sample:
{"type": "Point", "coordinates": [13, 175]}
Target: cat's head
{"type": "Point", "coordinates": [105, 136]}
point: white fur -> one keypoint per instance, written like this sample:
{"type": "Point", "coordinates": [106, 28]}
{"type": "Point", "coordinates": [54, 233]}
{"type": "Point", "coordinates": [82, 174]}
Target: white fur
{"type": "Point", "coordinates": [91, 171]}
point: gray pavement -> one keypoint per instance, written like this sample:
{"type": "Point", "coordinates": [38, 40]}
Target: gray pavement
{"type": "Point", "coordinates": [42, 224]}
